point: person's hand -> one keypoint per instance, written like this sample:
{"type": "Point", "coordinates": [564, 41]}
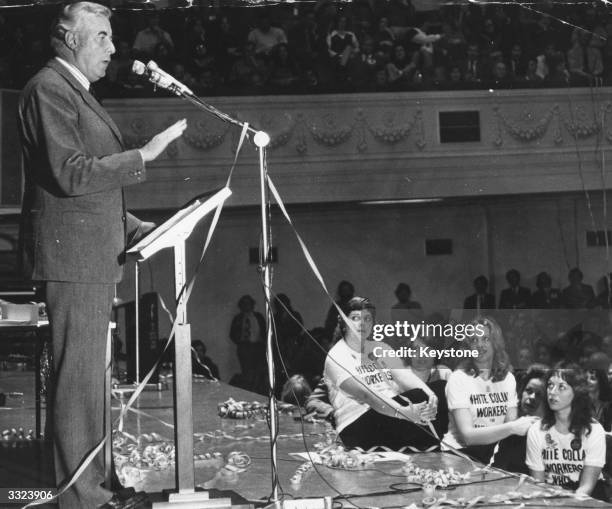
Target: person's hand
{"type": "Point", "coordinates": [432, 399]}
{"type": "Point", "coordinates": [160, 141]}
{"type": "Point", "coordinates": [522, 424]}
{"type": "Point", "coordinates": [419, 413]}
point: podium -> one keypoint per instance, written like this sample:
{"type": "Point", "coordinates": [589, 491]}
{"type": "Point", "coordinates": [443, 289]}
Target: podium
{"type": "Point", "coordinates": [174, 233]}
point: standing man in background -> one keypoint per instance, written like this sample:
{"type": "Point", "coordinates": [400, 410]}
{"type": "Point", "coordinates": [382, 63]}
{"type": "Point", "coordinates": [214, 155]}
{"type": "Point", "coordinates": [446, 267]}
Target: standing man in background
{"type": "Point", "coordinates": [76, 228]}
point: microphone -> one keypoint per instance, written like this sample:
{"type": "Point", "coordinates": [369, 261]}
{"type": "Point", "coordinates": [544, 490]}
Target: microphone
{"type": "Point", "coordinates": [159, 77]}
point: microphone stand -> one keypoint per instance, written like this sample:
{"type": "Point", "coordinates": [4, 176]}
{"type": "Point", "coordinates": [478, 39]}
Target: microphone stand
{"type": "Point", "coordinates": [261, 140]}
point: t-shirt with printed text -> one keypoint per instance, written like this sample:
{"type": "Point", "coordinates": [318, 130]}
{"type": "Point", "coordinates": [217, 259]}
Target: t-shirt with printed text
{"type": "Point", "coordinates": [343, 362]}
{"type": "Point", "coordinates": [487, 401]}
{"type": "Point", "coordinates": [562, 456]}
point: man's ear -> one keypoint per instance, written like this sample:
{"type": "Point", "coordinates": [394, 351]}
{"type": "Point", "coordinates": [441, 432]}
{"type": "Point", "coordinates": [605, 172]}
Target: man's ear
{"type": "Point", "coordinates": [71, 39]}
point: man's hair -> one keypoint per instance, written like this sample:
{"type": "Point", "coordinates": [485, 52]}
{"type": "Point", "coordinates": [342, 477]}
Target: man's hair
{"type": "Point", "coordinates": [69, 18]}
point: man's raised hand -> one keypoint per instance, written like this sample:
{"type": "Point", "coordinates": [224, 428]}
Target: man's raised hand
{"type": "Point", "coordinates": [160, 141]}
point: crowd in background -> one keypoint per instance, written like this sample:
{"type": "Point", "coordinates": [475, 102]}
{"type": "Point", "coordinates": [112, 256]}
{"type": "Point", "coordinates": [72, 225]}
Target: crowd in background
{"type": "Point", "coordinates": [362, 46]}
{"type": "Point", "coordinates": [539, 388]}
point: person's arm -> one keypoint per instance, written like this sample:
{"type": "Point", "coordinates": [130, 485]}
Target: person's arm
{"type": "Point", "coordinates": [418, 412]}
{"type": "Point", "coordinates": [50, 118]}
{"type": "Point", "coordinates": [318, 402]}
{"type": "Point", "coordinates": [588, 479]}
{"type": "Point", "coordinates": [594, 459]}
{"type": "Point", "coordinates": [403, 375]}
{"type": "Point", "coordinates": [460, 405]}
{"type": "Point", "coordinates": [407, 380]}
{"type": "Point", "coordinates": [328, 40]}
{"type": "Point", "coordinates": [421, 37]}
{"type": "Point", "coordinates": [511, 414]}
{"type": "Point", "coordinates": [533, 453]}
{"type": "Point", "coordinates": [490, 434]}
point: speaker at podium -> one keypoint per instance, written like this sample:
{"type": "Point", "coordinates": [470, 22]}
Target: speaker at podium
{"type": "Point", "coordinates": [150, 346]}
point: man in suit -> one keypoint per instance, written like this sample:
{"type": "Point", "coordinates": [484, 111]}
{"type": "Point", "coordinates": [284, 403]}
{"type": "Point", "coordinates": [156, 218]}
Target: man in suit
{"type": "Point", "coordinates": [577, 295]}
{"type": "Point", "coordinates": [480, 299]}
{"type": "Point", "coordinates": [76, 227]}
{"type": "Point", "coordinates": [515, 296]}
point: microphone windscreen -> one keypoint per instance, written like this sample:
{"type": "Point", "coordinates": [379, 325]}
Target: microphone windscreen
{"type": "Point", "coordinates": [152, 66]}
{"type": "Point", "coordinates": [138, 67]}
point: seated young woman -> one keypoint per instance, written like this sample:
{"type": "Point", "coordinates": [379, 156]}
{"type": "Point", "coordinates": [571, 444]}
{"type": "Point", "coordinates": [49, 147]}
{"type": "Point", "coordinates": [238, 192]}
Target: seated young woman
{"type": "Point", "coordinates": [568, 447]}
{"type": "Point", "coordinates": [365, 388]}
{"type": "Point", "coordinates": [481, 396]}
{"type": "Point", "coordinates": [532, 401]}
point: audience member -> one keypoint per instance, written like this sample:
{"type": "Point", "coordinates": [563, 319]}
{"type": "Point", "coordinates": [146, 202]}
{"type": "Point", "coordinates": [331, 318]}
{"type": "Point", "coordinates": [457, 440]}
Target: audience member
{"type": "Point", "coordinates": [532, 400]}
{"type": "Point", "coordinates": [266, 37]}
{"type": "Point", "coordinates": [480, 299]}
{"type": "Point", "coordinates": [482, 398]}
{"type": "Point", "coordinates": [344, 294]}
{"type": "Point", "coordinates": [296, 391]}
{"type": "Point", "coordinates": [284, 70]}
{"type": "Point", "coordinates": [531, 77]}
{"type": "Point", "coordinates": [545, 297]}
{"type": "Point", "coordinates": [602, 300]}
{"type": "Point", "coordinates": [148, 38]}
{"type": "Point", "coordinates": [577, 295]}
{"type": "Point", "coordinates": [248, 331]}
{"type": "Point", "coordinates": [473, 65]}
{"type": "Point", "coordinates": [367, 407]}
{"type": "Point", "coordinates": [599, 392]}
{"type": "Point", "coordinates": [584, 61]}
{"type": "Point", "coordinates": [401, 68]}
{"type": "Point", "coordinates": [515, 296]}
{"type": "Point", "coordinates": [406, 309]}
{"type": "Point", "coordinates": [342, 45]}
{"type": "Point", "coordinates": [246, 66]}
{"type": "Point", "coordinates": [287, 332]}
{"type": "Point", "coordinates": [517, 62]}
{"type": "Point", "coordinates": [318, 405]}
{"type": "Point", "coordinates": [568, 426]}
{"type": "Point", "coordinates": [362, 69]}
{"type": "Point", "coordinates": [202, 364]}
{"type": "Point", "coordinates": [500, 30]}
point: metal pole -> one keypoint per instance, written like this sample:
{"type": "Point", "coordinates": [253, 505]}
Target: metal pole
{"type": "Point", "coordinates": [261, 139]}
{"type": "Point", "coordinates": [137, 318]}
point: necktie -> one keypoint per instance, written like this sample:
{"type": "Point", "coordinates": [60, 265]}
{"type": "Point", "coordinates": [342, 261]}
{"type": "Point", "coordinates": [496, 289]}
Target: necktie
{"type": "Point", "coordinates": [92, 92]}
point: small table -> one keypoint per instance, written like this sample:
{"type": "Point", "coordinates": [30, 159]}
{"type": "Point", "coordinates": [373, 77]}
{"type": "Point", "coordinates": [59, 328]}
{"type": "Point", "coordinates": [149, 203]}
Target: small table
{"type": "Point", "coordinates": [38, 334]}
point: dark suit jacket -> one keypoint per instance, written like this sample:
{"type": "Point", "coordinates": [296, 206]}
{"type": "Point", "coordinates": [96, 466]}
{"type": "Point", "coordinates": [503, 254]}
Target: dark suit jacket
{"type": "Point", "coordinates": [510, 300]}
{"type": "Point", "coordinates": [75, 164]}
{"type": "Point", "coordinates": [236, 328]}
{"type": "Point", "coordinates": [487, 302]}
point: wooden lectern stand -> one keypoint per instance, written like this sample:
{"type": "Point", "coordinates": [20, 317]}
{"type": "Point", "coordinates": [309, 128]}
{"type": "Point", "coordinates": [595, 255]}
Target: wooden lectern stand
{"type": "Point", "coordinates": [173, 233]}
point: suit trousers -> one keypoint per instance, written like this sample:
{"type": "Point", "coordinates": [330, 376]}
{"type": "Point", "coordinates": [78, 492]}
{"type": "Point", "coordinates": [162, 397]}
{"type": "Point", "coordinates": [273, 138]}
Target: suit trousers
{"type": "Point", "coordinates": [79, 315]}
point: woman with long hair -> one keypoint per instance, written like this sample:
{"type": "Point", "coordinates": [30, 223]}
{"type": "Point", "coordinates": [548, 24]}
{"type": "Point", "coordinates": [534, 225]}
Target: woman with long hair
{"type": "Point", "coordinates": [568, 447]}
{"type": "Point", "coordinates": [531, 392]}
{"type": "Point", "coordinates": [365, 388]}
{"type": "Point", "coordinates": [401, 68]}
{"type": "Point", "coordinates": [481, 396]}
{"type": "Point", "coordinates": [599, 394]}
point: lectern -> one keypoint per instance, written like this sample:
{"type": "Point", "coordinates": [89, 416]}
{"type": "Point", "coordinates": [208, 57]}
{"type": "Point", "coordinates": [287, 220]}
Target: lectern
{"type": "Point", "coordinates": [173, 233]}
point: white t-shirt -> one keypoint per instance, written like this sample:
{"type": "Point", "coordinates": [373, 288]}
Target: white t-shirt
{"type": "Point", "coordinates": [562, 456]}
{"type": "Point", "coordinates": [487, 401]}
{"type": "Point", "coordinates": [347, 363]}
